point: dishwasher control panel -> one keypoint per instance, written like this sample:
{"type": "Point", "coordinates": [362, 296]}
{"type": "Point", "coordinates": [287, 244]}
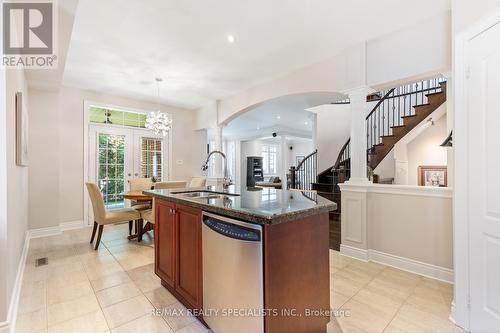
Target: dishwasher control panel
{"type": "Point", "coordinates": [232, 230]}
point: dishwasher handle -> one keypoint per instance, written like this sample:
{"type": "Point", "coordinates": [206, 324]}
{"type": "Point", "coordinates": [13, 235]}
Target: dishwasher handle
{"type": "Point", "coordinates": [232, 230]}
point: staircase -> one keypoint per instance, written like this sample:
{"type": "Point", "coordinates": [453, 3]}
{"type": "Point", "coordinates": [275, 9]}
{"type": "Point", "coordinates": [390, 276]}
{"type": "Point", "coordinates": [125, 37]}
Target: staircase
{"type": "Point", "coordinates": [396, 113]}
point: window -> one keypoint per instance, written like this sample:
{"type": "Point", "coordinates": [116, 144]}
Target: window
{"type": "Point", "coordinates": [110, 169]}
{"type": "Point", "coordinates": [269, 158]}
{"type": "Point", "coordinates": [115, 117]}
{"type": "Point", "coordinates": [151, 158]}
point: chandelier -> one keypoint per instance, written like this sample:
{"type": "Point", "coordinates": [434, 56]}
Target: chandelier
{"type": "Point", "coordinates": [160, 123]}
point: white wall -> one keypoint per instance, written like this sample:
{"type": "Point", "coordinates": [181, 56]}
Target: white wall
{"type": "Point", "coordinates": [408, 227]}
{"type": "Point", "coordinates": [417, 51]}
{"type": "Point", "coordinates": [340, 72]}
{"type": "Point", "coordinates": [3, 197]}
{"type": "Point", "coordinates": [56, 135]}
{"type": "Point", "coordinates": [333, 130]}
{"type": "Point", "coordinates": [425, 149]}
{"type": "Point", "coordinates": [16, 223]}
{"type": "Point", "coordinates": [466, 12]}
{"type": "Point", "coordinates": [299, 149]}
{"type": "Point", "coordinates": [387, 167]}
{"type": "Point", "coordinates": [416, 227]}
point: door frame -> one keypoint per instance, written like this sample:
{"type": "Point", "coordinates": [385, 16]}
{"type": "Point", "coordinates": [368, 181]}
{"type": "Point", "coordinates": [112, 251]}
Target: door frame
{"type": "Point", "coordinates": [461, 223]}
{"type": "Point", "coordinates": [87, 104]}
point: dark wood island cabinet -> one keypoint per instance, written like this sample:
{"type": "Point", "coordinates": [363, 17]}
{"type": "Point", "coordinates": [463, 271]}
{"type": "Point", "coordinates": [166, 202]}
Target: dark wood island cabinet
{"type": "Point", "coordinates": [296, 287]}
{"type": "Point", "coordinates": [178, 251]}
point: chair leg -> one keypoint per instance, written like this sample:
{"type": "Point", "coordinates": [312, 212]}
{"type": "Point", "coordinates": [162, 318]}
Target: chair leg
{"type": "Point", "coordinates": [93, 232]}
{"type": "Point", "coordinates": [130, 223]}
{"type": "Point", "coordinates": [139, 229]}
{"type": "Point", "coordinates": [99, 234]}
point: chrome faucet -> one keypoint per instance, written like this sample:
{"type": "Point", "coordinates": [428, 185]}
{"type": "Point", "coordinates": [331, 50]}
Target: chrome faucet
{"type": "Point", "coordinates": [227, 181]}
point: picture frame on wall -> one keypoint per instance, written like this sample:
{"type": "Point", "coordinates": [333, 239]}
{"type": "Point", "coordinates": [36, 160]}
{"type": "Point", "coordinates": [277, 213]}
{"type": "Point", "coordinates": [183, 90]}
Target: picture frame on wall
{"type": "Point", "coordinates": [433, 175]}
{"type": "Point", "coordinates": [21, 131]}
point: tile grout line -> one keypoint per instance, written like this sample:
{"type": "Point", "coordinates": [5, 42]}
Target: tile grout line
{"type": "Point", "coordinates": [402, 304]}
{"type": "Point", "coordinates": [142, 293]}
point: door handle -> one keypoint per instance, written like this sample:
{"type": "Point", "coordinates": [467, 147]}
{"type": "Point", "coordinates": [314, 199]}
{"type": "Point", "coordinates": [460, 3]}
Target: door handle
{"type": "Point", "coordinates": [136, 174]}
{"type": "Point", "coordinates": [129, 174]}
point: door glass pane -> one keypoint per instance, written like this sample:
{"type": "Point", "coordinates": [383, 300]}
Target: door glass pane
{"type": "Point", "coordinates": [151, 158]}
{"type": "Point", "coordinates": [111, 169]}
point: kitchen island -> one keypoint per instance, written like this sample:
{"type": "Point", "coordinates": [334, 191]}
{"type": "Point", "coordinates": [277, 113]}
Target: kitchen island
{"type": "Point", "coordinates": [246, 259]}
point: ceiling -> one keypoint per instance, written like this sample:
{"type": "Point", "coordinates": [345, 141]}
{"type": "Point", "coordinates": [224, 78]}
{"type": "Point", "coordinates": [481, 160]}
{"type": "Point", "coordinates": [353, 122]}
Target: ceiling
{"type": "Point", "coordinates": [282, 115]}
{"type": "Point", "coordinates": [120, 46]}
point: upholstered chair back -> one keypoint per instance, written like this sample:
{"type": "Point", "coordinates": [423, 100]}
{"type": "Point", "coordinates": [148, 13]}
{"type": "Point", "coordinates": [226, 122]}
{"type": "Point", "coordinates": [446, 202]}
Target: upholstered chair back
{"type": "Point", "coordinates": [97, 201]}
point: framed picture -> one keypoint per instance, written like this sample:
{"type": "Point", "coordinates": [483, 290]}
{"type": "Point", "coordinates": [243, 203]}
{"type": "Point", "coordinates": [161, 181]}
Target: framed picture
{"type": "Point", "coordinates": [21, 131]}
{"type": "Point", "coordinates": [433, 175]}
{"type": "Point", "coordinates": [299, 159]}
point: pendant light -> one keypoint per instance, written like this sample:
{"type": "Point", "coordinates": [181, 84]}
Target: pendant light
{"type": "Point", "coordinates": [160, 123]}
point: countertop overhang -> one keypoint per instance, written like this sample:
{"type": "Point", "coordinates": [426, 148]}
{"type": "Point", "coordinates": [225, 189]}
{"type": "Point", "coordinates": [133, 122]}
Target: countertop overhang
{"type": "Point", "coordinates": [256, 205]}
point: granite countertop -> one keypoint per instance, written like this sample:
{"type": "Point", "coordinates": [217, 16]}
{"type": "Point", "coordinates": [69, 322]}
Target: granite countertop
{"type": "Point", "coordinates": [257, 205]}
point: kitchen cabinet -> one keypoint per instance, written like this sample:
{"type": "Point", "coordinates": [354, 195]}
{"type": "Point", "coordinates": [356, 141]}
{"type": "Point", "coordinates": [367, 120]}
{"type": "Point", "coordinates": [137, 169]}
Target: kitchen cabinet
{"type": "Point", "coordinates": [165, 238]}
{"type": "Point", "coordinates": [178, 245]}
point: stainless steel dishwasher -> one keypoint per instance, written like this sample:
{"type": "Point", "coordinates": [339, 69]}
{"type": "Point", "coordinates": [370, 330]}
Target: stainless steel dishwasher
{"type": "Point", "coordinates": [233, 288]}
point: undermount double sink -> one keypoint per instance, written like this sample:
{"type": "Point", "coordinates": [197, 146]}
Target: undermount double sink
{"type": "Point", "coordinates": [205, 194]}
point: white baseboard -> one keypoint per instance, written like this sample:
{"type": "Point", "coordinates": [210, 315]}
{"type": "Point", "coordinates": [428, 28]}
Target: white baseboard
{"type": "Point", "coordinates": [10, 324]}
{"type": "Point", "coordinates": [44, 232]}
{"type": "Point", "coordinates": [72, 225]}
{"type": "Point", "coordinates": [405, 264]}
{"type": "Point", "coordinates": [452, 313]}
{"type": "Point", "coordinates": [413, 266]}
{"type": "Point", "coordinates": [4, 327]}
{"type": "Point", "coordinates": [354, 252]}
{"type": "Point", "coordinates": [56, 230]}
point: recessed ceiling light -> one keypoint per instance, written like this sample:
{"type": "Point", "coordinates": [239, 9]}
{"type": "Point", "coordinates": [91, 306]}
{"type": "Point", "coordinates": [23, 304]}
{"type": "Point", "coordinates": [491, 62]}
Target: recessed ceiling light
{"type": "Point", "coordinates": [258, 128]}
{"type": "Point", "coordinates": [278, 117]}
{"type": "Point", "coordinates": [306, 123]}
{"type": "Point", "coordinates": [230, 38]}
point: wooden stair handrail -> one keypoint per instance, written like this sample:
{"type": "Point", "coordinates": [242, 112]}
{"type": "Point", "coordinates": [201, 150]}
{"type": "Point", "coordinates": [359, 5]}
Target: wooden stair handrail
{"type": "Point", "coordinates": [380, 102]}
{"type": "Point", "coordinates": [339, 157]}
{"type": "Point", "coordinates": [305, 159]}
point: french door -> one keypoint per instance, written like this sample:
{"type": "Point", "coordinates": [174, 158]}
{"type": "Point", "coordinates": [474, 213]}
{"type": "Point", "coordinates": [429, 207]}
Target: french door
{"type": "Point", "coordinates": [118, 154]}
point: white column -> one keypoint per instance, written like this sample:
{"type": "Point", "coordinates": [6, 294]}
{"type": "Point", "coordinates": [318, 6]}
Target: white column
{"type": "Point", "coordinates": [358, 135]}
{"type": "Point", "coordinates": [354, 227]}
{"type": "Point", "coordinates": [314, 123]}
{"type": "Point", "coordinates": [219, 172]}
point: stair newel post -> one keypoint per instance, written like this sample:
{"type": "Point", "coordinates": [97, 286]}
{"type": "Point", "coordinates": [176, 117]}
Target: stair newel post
{"type": "Point", "coordinates": [292, 177]}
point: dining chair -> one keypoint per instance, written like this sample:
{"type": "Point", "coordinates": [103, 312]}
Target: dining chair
{"type": "Point", "coordinates": [102, 216]}
{"type": "Point", "coordinates": [197, 182]}
{"type": "Point", "coordinates": [139, 184]}
{"type": "Point", "coordinates": [170, 184]}
{"type": "Point", "coordinates": [147, 216]}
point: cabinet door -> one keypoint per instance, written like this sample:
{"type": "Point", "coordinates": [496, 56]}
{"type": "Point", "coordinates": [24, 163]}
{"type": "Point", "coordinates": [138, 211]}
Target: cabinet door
{"type": "Point", "coordinates": [189, 264]}
{"type": "Point", "coordinates": [165, 242]}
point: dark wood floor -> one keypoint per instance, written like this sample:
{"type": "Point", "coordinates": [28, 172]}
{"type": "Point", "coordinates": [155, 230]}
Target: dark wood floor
{"type": "Point", "coordinates": [335, 231]}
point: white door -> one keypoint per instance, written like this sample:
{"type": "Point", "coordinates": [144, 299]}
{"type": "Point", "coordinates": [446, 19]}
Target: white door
{"type": "Point", "coordinates": [483, 89]}
{"type": "Point", "coordinates": [111, 162]}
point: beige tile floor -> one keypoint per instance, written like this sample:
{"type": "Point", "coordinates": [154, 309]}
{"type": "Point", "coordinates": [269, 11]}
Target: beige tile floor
{"type": "Point", "coordinates": [115, 290]}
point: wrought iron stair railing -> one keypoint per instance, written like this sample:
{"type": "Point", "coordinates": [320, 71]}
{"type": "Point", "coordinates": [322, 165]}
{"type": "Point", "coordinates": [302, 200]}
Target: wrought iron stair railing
{"type": "Point", "coordinates": [305, 173]}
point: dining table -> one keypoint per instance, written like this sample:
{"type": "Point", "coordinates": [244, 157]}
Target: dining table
{"type": "Point", "coordinates": [140, 198]}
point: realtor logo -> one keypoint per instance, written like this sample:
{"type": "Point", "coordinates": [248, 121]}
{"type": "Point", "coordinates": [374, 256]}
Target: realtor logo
{"type": "Point", "coordinates": [28, 34]}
